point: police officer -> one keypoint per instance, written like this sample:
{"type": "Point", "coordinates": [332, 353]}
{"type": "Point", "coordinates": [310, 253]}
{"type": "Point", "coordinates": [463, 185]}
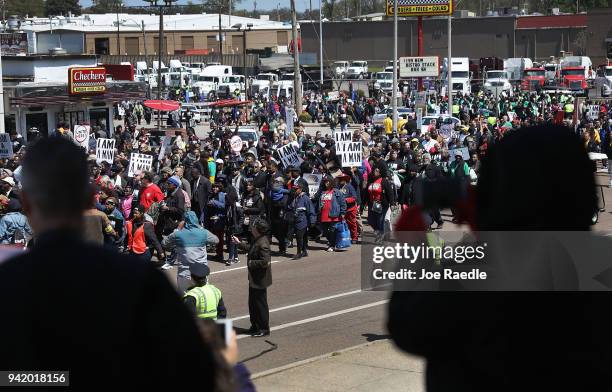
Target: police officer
{"type": "Point", "coordinates": [204, 299]}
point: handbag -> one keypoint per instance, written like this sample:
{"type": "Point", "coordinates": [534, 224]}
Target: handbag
{"type": "Point", "coordinates": [343, 235]}
{"type": "Point", "coordinates": [377, 207]}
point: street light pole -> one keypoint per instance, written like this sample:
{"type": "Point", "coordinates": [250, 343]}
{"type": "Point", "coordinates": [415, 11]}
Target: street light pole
{"type": "Point", "coordinates": [144, 42]}
{"type": "Point", "coordinates": [118, 36]}
{"type": "Point", "coordinates": [297, 77]}
{"type": "Point", "coordinates": [320, 47]}
{"type": "Point", "coordinates": [220, 37]}
{"type": "Point", "coordinates": [394, 93]}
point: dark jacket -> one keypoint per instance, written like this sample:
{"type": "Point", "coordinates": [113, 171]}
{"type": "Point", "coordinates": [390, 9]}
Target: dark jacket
{"type": "Point", "coordinates": [200, 194]}
{"type": "Point", "coordinates": [253, 205]}
{"type": "Point", "coordinates": [259, 262]}
{"type": "Point", "coordinates": [302, 211]}
{"type": "Point", "coordinates": [115, 319]}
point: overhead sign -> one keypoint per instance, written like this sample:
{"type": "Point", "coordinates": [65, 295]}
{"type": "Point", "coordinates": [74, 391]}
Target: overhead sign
{"type": "Point", "coordinates": [419, 67]}
{"type": "Point", "coordinates": [420, 7]}
{"type": "Point", "coordinates": [6, 146]}
{"type": "Point", "coordinates": [86, 80]}
{"type": "Point", "coordinates": [105, 150]}
{"type": "Point", "coordinates": [81, 135]}
{"type": "Point", "coordinates": [139, 163]}
{"type": "Point", "coordinates": [289, 155]}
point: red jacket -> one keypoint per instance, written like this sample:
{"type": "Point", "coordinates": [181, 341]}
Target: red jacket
{"type": "Point", "coordinates": [149, 195]}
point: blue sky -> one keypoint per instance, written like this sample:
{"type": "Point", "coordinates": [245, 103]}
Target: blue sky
{"type": "Point", "coordinates": [301, 5]}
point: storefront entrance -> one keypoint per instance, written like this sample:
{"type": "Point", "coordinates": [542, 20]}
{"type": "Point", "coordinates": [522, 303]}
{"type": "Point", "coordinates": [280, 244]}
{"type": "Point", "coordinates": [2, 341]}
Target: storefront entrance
{"type": "Point", "coordinates": [38, 120]}
{"type": "Point", "coordinates": [99, 117]}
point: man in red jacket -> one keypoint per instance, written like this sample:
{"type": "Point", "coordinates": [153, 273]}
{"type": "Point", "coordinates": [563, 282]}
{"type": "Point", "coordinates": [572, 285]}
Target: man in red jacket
{"type": "Point", "coordinates": [149, 192]}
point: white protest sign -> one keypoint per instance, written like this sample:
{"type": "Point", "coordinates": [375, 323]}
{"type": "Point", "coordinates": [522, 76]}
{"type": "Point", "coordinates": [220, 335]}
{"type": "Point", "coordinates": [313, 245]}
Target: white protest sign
{"type": "Point", "coordinates": [236, 144]}
{"type": "Point", "coordinates": [81, 135]}
{"type": "Point", "coordinates": [289, 121]}
{"type": "Point", "coordinates": [463, 151]}
{"type": "Point", "coordinates": [139, 163]}
{"type": "Point", "coordinates": [289, 155]}
{"type": "Point", "coordinates": [418, 67]}
{"type": "Point", "coordinates": [121, 111]}
{"type": "Point", "coordinates": [446, 131]}
{"type": "Point", "coordinates": [6, 146]}
{"type": "Point", "coordinates": [313, 180]}
{"type": "Point", "coordinates": [349, 153]}
{"type": "Point", "coordinates": [419, 118]}
{"type": "Point", "coordinates": [511, 116]}
{"type": "Point", "coordinates": [592, 112]}
{"type": "Point", "coordinates": [343, 136]}
{"type": "Point", "coordinates": [165, 144]}
{"type": "Point", "coordinates": [105, 150]}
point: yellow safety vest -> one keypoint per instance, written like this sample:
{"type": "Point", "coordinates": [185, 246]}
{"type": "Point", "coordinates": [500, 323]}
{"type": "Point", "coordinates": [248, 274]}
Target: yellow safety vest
{"type": "Point", "coordinates": [207, 300]}
{"type": "Point", "coordinates": [456, 109]}
{"type": "Point", "coordinates": [569, 108]}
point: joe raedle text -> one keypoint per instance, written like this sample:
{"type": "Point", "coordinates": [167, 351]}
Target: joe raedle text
{"type": "Point", "coordinates": [424, 274]}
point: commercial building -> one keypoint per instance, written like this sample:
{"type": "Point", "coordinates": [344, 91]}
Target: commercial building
{"type": "Point", "coordinates": [43, 91]}
{"type": "Point", "coordinates": [534, 36]}
{"type": "Point", "coordinates": [135, 34]}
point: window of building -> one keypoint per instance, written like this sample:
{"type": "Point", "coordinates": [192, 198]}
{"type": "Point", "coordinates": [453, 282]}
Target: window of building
{"type": "Point", "coordinates": [71, 118]}
{"type": "Point", "coordinates": [282, 39]}
{"type": "Point", "coordinates": [187, 42]}
{"type": "Point", "coordinates": [237, 46]}
{"type": "Point", "coordinates": [102, 45]}
{"type": "Point", "coordinates": [211, 42]}
{"type": "Point", "coordinates": [132, 45]}
{"type": "Point", "coordinates": [156, 45]}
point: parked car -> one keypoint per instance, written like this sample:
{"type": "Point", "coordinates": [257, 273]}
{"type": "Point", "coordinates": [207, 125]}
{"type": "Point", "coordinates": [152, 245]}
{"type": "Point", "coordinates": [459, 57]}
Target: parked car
{"type": "Point", "coordinates": [428, 119]}
{"type": "Point", "coordinates": [379, 117]}
{"type": "Point", "coordinates": [340, 68]}
{"type": "Point", "coordinates": [247, 134]}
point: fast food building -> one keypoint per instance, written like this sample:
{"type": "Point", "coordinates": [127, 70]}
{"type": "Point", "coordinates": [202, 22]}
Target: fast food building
{"type": "Point", "coordinates": [43, 91]}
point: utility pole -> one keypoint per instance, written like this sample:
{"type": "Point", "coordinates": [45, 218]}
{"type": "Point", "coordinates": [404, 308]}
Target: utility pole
{"type": "Point", "coordinates": [321, 47]}
{"type": "Point", "coordinates": [297, 77]}
{"type": "Point", "coordinates": [449, 66]}
{"type": "Point", "coordinates": [2, 130]}
{"type": "Point", "coordinates": [394, 93]}
{"type": "Point", "coordinates": [220, 37]}
{"type": "Point", "coordinates": [118, 36]}
{"type": "Point", "coordinates": [144, 40]}
{"type": "Point", "coordinates": [159, 62]}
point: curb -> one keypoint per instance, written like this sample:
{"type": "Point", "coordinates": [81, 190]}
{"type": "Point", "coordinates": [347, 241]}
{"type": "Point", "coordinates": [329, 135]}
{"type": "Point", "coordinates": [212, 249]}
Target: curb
{"type": "Point", "coordinates": [313, 359]}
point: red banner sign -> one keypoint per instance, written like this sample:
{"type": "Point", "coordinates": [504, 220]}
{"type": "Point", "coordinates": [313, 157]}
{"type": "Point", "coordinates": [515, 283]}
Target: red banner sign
{"type": "Point", "coordinates": [86, 80]}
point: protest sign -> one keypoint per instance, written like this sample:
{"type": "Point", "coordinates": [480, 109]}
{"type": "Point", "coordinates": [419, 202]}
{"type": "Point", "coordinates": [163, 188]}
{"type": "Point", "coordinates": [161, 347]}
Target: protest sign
{"type": "Point", "coordinates": [81, 135]}
{"type": "Point", "coordinates": [313, 180]}
{"type": "Point", "coordinates": [463, 151]}
{"type": "Point", "coordinates": [289, 155]}
{"type": "Point", "coordinates": [446, 131]}
{"type": "Point", "coordinates": [165, 144]}
{"type": "Point", "coordinates": [236, 144]}
{"type": "Point", "coordinates": [139, 163]}
{"type": "Point", "coordinates": [6, 146]}
{"type": "Point", "coordinates": [592, 112]}
{"type": "Point", "coordinates": [349, 153]}
{"type": "Point", "coordinates": [105, 150]}
{"type": "Point", "coordinates": [289, 121]}
{"type": "Point", "coordinates": [343, 136]}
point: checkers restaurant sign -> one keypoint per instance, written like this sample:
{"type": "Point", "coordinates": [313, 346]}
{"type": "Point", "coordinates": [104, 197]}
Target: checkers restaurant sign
{"type": "Point", "coordinates": [86, 80]}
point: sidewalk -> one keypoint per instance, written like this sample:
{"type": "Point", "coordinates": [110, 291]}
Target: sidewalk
{"type": "Point", "coordinates": [376, 366]}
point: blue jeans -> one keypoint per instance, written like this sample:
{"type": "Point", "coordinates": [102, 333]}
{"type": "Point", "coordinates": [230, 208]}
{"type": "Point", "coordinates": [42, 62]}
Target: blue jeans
{"type": "Point", "coordinates": [231, 247]}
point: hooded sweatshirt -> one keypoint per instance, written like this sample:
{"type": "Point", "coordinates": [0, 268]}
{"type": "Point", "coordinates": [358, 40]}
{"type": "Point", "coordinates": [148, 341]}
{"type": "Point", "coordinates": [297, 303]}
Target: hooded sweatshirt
{"type": "Point", "coordinates": [190, 243]}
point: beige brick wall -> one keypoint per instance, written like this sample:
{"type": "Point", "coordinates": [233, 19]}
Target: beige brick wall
{"type": "Point", "coordinates": [259, 39]}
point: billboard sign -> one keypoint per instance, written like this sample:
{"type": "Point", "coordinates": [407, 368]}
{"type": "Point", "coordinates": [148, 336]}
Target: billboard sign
{"type": "Point", "coordinates": [420, 7]}
{"type": "Point", "coordinates": [419, 67]}
{"type": "Point", "coordinates": [86, 80]}
{"type": "Point", "coordinates": [14, 44]}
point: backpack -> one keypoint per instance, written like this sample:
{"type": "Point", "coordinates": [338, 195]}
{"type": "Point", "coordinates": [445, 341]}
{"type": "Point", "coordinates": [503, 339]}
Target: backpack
{"type": "Point", "coordinates": [187, 200]}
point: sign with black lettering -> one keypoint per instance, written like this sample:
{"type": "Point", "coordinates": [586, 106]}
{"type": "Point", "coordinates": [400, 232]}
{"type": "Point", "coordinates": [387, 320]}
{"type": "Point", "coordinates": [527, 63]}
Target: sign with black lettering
{"type": "Point", "coordinates": [139, 163]}
{"type": "Point", "coordinates": [314, 181]}
{"type": "Point", "coordinates": [81, 135]}
{"type": "Point", "coordinates": [343, 136]}
{"type": "Point", "coordinates": [418, 67]}
{"type": "Point", "coordinates": [6, 146]}
{"type": "Point", "coordinates": [289, 155]}
{"type": "Point", "coordinates": [349, 153]}
{"type": "Point", "coordinates": [105, 150]}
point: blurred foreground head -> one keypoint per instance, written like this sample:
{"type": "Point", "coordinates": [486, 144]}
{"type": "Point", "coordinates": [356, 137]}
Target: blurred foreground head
{"type": "Point", "coordinates": [536, 178]}
{"type": "Point", "coordinates": [55, 183]}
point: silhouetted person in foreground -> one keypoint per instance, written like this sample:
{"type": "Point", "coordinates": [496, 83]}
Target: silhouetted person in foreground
{"type": "Point", "coordinates": [541, 179]}
{"type": "Point", "coordinates": [111, 320]}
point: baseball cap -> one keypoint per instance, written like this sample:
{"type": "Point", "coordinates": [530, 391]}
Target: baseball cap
{"type": "Point", "coordinates": [199, 270]}
{"type": "Point", "coordinates": [219, 160]}
{"type": "Point", "coordinates": [175, 180]}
